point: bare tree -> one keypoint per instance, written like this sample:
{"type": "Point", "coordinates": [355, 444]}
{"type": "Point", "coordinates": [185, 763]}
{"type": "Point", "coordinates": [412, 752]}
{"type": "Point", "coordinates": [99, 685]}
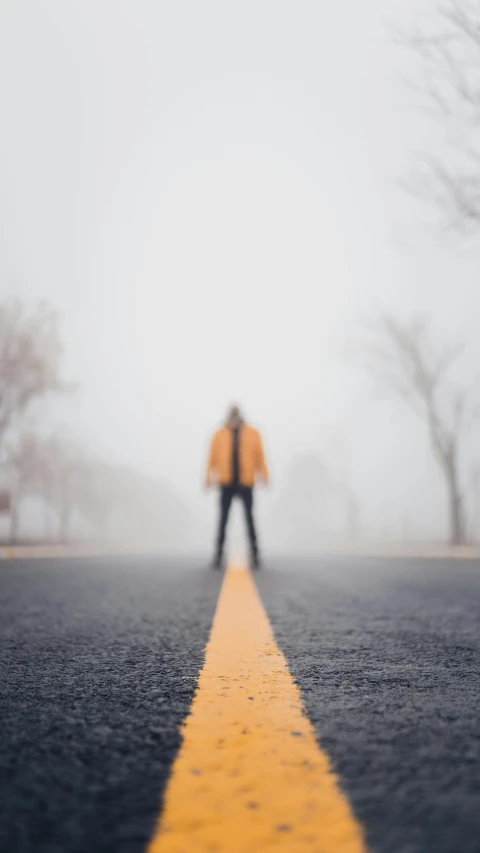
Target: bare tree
{"type": "Point", "coordinates": [67, 472]}
{"type": "Point", "coordinates": [78, 484]}
{"type": "Point", "coordinates": [30, 354]}
{"type": "Point", "coordinates": [54, 470]}
{"type": "Point", "coordinates": [97, 495]}
{"type": "Point", "coordinates": [449, 55]}
{"type": "Point", "coordinates": [28, 464]}
{"type": "Point", "coordinates": [402, 362]}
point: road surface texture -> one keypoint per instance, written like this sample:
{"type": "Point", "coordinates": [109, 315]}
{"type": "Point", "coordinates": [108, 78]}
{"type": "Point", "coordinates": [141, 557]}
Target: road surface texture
{"type": "Point", "coordinates": [99, 661]}
{"type": "Point", "coordinates": [386, 654]}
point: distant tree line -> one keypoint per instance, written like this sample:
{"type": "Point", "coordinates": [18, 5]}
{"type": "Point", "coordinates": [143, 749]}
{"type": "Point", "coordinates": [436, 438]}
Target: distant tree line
{"type": "Point", "coordinates": [36, 465]}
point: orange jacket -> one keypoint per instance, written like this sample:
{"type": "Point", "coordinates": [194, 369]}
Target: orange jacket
{"type": "Point", "coordinates": [250, 454]}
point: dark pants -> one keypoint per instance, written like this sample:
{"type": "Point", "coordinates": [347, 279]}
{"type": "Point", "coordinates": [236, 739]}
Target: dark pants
{"type": "Point", "coordinates": [227, 493]}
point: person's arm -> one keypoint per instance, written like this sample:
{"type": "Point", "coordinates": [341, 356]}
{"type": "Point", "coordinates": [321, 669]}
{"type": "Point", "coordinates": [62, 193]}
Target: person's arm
{"type": "Point", "coordinates": [261, 465]}
{"type": "Point", "coordinates": [210, 473]}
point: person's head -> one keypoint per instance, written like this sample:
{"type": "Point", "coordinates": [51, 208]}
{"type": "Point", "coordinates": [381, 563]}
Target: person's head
{"type": "Point", "coordinates": [234, 417]}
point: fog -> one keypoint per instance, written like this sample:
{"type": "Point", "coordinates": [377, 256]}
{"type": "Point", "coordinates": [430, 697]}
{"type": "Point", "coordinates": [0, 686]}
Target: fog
{"type": "Point", "coordinates": [209, 194]}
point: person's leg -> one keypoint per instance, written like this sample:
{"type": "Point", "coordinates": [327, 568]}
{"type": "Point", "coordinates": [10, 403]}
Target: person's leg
{"type": "Point", "coordinates": [247, 499]}
{"type": "Point", "coordinates": [226, 495]}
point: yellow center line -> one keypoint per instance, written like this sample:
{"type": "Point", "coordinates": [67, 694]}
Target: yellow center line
{"type": "Point", "coordinates": [250, 775]}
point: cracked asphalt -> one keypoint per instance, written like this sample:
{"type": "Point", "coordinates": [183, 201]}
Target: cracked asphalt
{"type": "Point", "coordinates": [98, 665]}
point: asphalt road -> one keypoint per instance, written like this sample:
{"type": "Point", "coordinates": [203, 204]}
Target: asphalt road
{"type": "Point", "coordinates": [98, 665]}
{"type": "Point", "coordinates": [99, 661]}
{"type": "Point", "coordinates": [387, 655]}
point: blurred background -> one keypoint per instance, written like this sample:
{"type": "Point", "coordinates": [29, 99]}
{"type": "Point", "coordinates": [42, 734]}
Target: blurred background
{"type": "Point", "coordinates": [272, 203]}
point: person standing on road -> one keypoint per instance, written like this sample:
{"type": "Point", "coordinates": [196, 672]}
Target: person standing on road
{"type": "Point", "coordinates": [236, 461]}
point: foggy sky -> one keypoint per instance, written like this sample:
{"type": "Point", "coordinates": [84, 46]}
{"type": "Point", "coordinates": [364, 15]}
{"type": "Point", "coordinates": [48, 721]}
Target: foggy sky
{"type": "Point", "coordinates": [207, 192]}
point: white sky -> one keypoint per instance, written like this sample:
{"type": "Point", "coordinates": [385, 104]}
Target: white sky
{"type": "Point", "coordinates": [207, 193]}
